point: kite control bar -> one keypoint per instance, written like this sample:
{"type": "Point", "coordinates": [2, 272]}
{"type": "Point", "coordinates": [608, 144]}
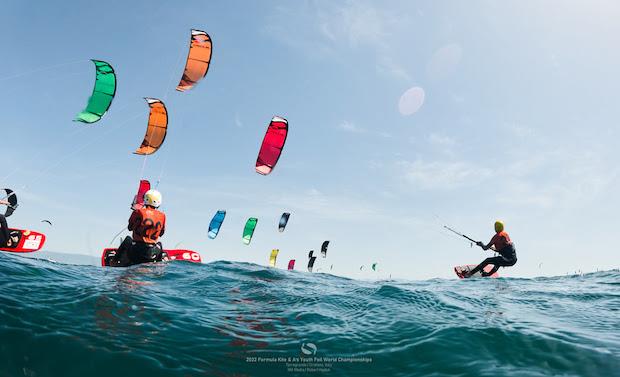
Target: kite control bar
{"type": "Point", "coordinates": [460, 234]}
{"type": "Point", "coordinates": [468, 238]}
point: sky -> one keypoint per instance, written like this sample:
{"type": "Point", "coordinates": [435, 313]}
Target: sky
{"type": "Point", "coordinates": [404, 116]}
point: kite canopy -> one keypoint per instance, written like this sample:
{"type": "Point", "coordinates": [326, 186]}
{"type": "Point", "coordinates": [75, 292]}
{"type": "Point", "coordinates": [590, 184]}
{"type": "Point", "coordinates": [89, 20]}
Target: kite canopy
{"type": "Point", "coordinates": [248, 231]}
{"type": "Point", "coordinates": [283, 221]}
{"type": "Point", "coordinates": [273, 256]}
{"type": "Point", "coordinates": [46, 221]}
{"type": "Point", "coordinates": [374, 266]}
{"type": "Point", "coordinates": [138, 200]}
{"type": "Point", "coordinates": [198, 60]}
{"type": "Point", "coordinates": [156, 128]}
{"type": "Point", "coordinates": [272, 145]}
{"type": "Point", "coordinates": [311, 264]}
{"type": "Point", "coordinates": [324, 248]}
{"type": "Point", "coordinates": [12, 199]}
{"type": "Point", "coordinates": [291, 264]}
{"type": "Point", "coordinates": [103, 93]}
{"type": "Point", "coordinates": [216, 223]}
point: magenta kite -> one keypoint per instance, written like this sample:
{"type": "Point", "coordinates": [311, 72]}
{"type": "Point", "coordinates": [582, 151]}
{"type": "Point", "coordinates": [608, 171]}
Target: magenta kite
{"type": "Point", "coordinates": [272, 146]}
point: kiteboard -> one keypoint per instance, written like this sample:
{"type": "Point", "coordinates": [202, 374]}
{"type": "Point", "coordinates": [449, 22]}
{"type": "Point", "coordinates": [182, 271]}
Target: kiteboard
{"type": "Point", "coordinates": [24, 241]}
{"type": "Point", "coordinates": [461, 269]}
{"type": "Point", "coordinates": [175, 254]}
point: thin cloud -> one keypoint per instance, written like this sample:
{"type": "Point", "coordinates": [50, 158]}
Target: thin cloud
{"type": "Point", "coordinates": [387, 66]}
{"type": "Point", "coordinates": [355, 22]}
{"type": "Point", "coordinates": [238, 122]}
{"type": "Point", "coordinates": [444, 61]}
{"type": "Point", "coordinates": [323, 29]}
{"type": "Point", "coordinates": [440, 175]}
{"type": "Point", "coordinates": [558, 178]}
{"type": "Point", "coordinates": [350, 127]}
{"type": "Point", "coordinates": [342, 208]}
{"type": "Point", "coordinates": [441, 140]}
{"type": "Point", "coordinates": [315, 202]}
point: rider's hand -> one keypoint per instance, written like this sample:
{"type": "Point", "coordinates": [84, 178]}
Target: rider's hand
{"type": "Point", "coordinates": [479, 243]}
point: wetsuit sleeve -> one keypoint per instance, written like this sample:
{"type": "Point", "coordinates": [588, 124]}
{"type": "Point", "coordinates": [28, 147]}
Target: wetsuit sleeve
{"type": "Point", "coordinates": [5, 229]}
{"type": "Point", "coordinates": [134, 220]}
{"type": "Point", "coordinates": [494, 240]}
{"type": "Point", "coordinates": [163, 226]}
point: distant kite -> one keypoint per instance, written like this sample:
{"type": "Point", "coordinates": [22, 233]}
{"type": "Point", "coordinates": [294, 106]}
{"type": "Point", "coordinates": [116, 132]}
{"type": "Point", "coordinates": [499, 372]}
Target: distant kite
{"type": "Point", "coordinates": [156, 128]}
{"type": "Point", "coordinates": [324, 248]}
{"type": "Point", "coordinates": [311, 263]}
{"type": "Point", "coordinates": [198, 60]}
{"type": "Point", "coordinates": [138, 200]}
{"type": "Point", "coordinates": [12, 199]}
{"type": "Point", "coordinates": [248, 230]}
{"type": "Point", "coordinates": [47, 221]}
{"type": "Point", "coordinates": [273, 257]}
{"type": "Point", "coordinates": [374, 266]}
{"type": "Point", "coordinates": [272, 145]}
{"type": "Point", "coordinates": [291, 264]}
{"type": "Point", "coordinates": [216, 223]}
{"type": "Point", "coordinates": [103, 93]}
{"type": "Point", "coordinates": [310, 253]}
{"type": "Point", "coordinates": [283, 221]}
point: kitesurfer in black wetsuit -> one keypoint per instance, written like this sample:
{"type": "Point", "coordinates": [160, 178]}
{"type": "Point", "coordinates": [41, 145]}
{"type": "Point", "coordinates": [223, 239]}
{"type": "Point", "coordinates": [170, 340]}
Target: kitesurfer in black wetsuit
{"type": "Point", "coordinates": [503, 246]}
{"type": "Point", "coordinates": [5, 236]}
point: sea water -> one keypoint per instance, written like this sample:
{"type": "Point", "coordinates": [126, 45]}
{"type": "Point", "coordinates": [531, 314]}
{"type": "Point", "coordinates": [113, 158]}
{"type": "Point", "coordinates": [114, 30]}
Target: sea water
{"type": "Point", "coordinates": [239, 319]}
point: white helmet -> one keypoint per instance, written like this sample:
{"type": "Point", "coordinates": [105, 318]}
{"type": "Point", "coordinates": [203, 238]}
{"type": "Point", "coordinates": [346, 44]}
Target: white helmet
{"type": "Point", "coordinates": [152, 198]}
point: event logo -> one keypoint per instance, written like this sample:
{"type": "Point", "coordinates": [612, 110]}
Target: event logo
{"type": "Point", "coordinates": [308, 348]}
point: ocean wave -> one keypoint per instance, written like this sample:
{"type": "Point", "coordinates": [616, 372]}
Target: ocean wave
{"type": "Point", "coordinates": [240, 319]}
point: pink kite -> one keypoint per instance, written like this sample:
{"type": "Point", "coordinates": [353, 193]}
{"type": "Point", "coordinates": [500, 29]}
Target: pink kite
{"type": "Point", "coordinates": [272, 145]}
{"type": "Point", "coordinates": [138, 200]}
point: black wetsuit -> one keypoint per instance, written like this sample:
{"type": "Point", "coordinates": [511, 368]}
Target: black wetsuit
{"type": "Point", "coordinates": [4, 231]}
{"type": "Point", "coordinates": [131, 252]}
{"type": "Point", "coordinates": [507, 257]}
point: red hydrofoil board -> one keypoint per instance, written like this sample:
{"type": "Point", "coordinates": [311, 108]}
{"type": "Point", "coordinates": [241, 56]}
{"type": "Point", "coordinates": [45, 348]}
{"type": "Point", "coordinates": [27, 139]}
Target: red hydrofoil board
{"type": "Point", "coordinates": [460, 269]}
{"type": "Point", "coordinates": [176, 254]}
{"type": "Point", "coordinates": [24, 241]}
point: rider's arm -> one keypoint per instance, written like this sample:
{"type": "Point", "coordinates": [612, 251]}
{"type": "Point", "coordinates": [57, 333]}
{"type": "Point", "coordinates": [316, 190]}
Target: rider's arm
{"type": "Point", "coordinates": [4, 228]}
{"type": "Point", "coordinates": [492, 243]}
{"type": "Point", "coordinates": [489, 245]}
{"type": "Point", "coordinates": [134, 220]}
{"type": "Point", "coordinates": [5, 202]}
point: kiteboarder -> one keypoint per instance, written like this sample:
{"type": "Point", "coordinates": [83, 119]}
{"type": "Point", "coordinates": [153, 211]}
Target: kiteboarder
{"type": "Point", "coordinates": [500, 243]}
{"type": "Point", "coordinates": [147, 224]}
{"type": "Point", "coordinates": [5, 236]}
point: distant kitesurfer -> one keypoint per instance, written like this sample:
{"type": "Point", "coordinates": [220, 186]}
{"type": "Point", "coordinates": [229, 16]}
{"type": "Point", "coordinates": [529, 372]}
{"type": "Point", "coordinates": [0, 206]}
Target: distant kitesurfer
{"type": "Point", "coordinates": [5, 236]}
{"type": "Point", "coordinates": [500, 243]}
{"type": "Point", "coordinates": [147, 224]}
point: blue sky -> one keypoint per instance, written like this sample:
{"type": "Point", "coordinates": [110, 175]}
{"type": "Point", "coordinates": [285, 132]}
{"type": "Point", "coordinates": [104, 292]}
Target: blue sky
{"type": "Point", "coordinates": [519, 122]}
